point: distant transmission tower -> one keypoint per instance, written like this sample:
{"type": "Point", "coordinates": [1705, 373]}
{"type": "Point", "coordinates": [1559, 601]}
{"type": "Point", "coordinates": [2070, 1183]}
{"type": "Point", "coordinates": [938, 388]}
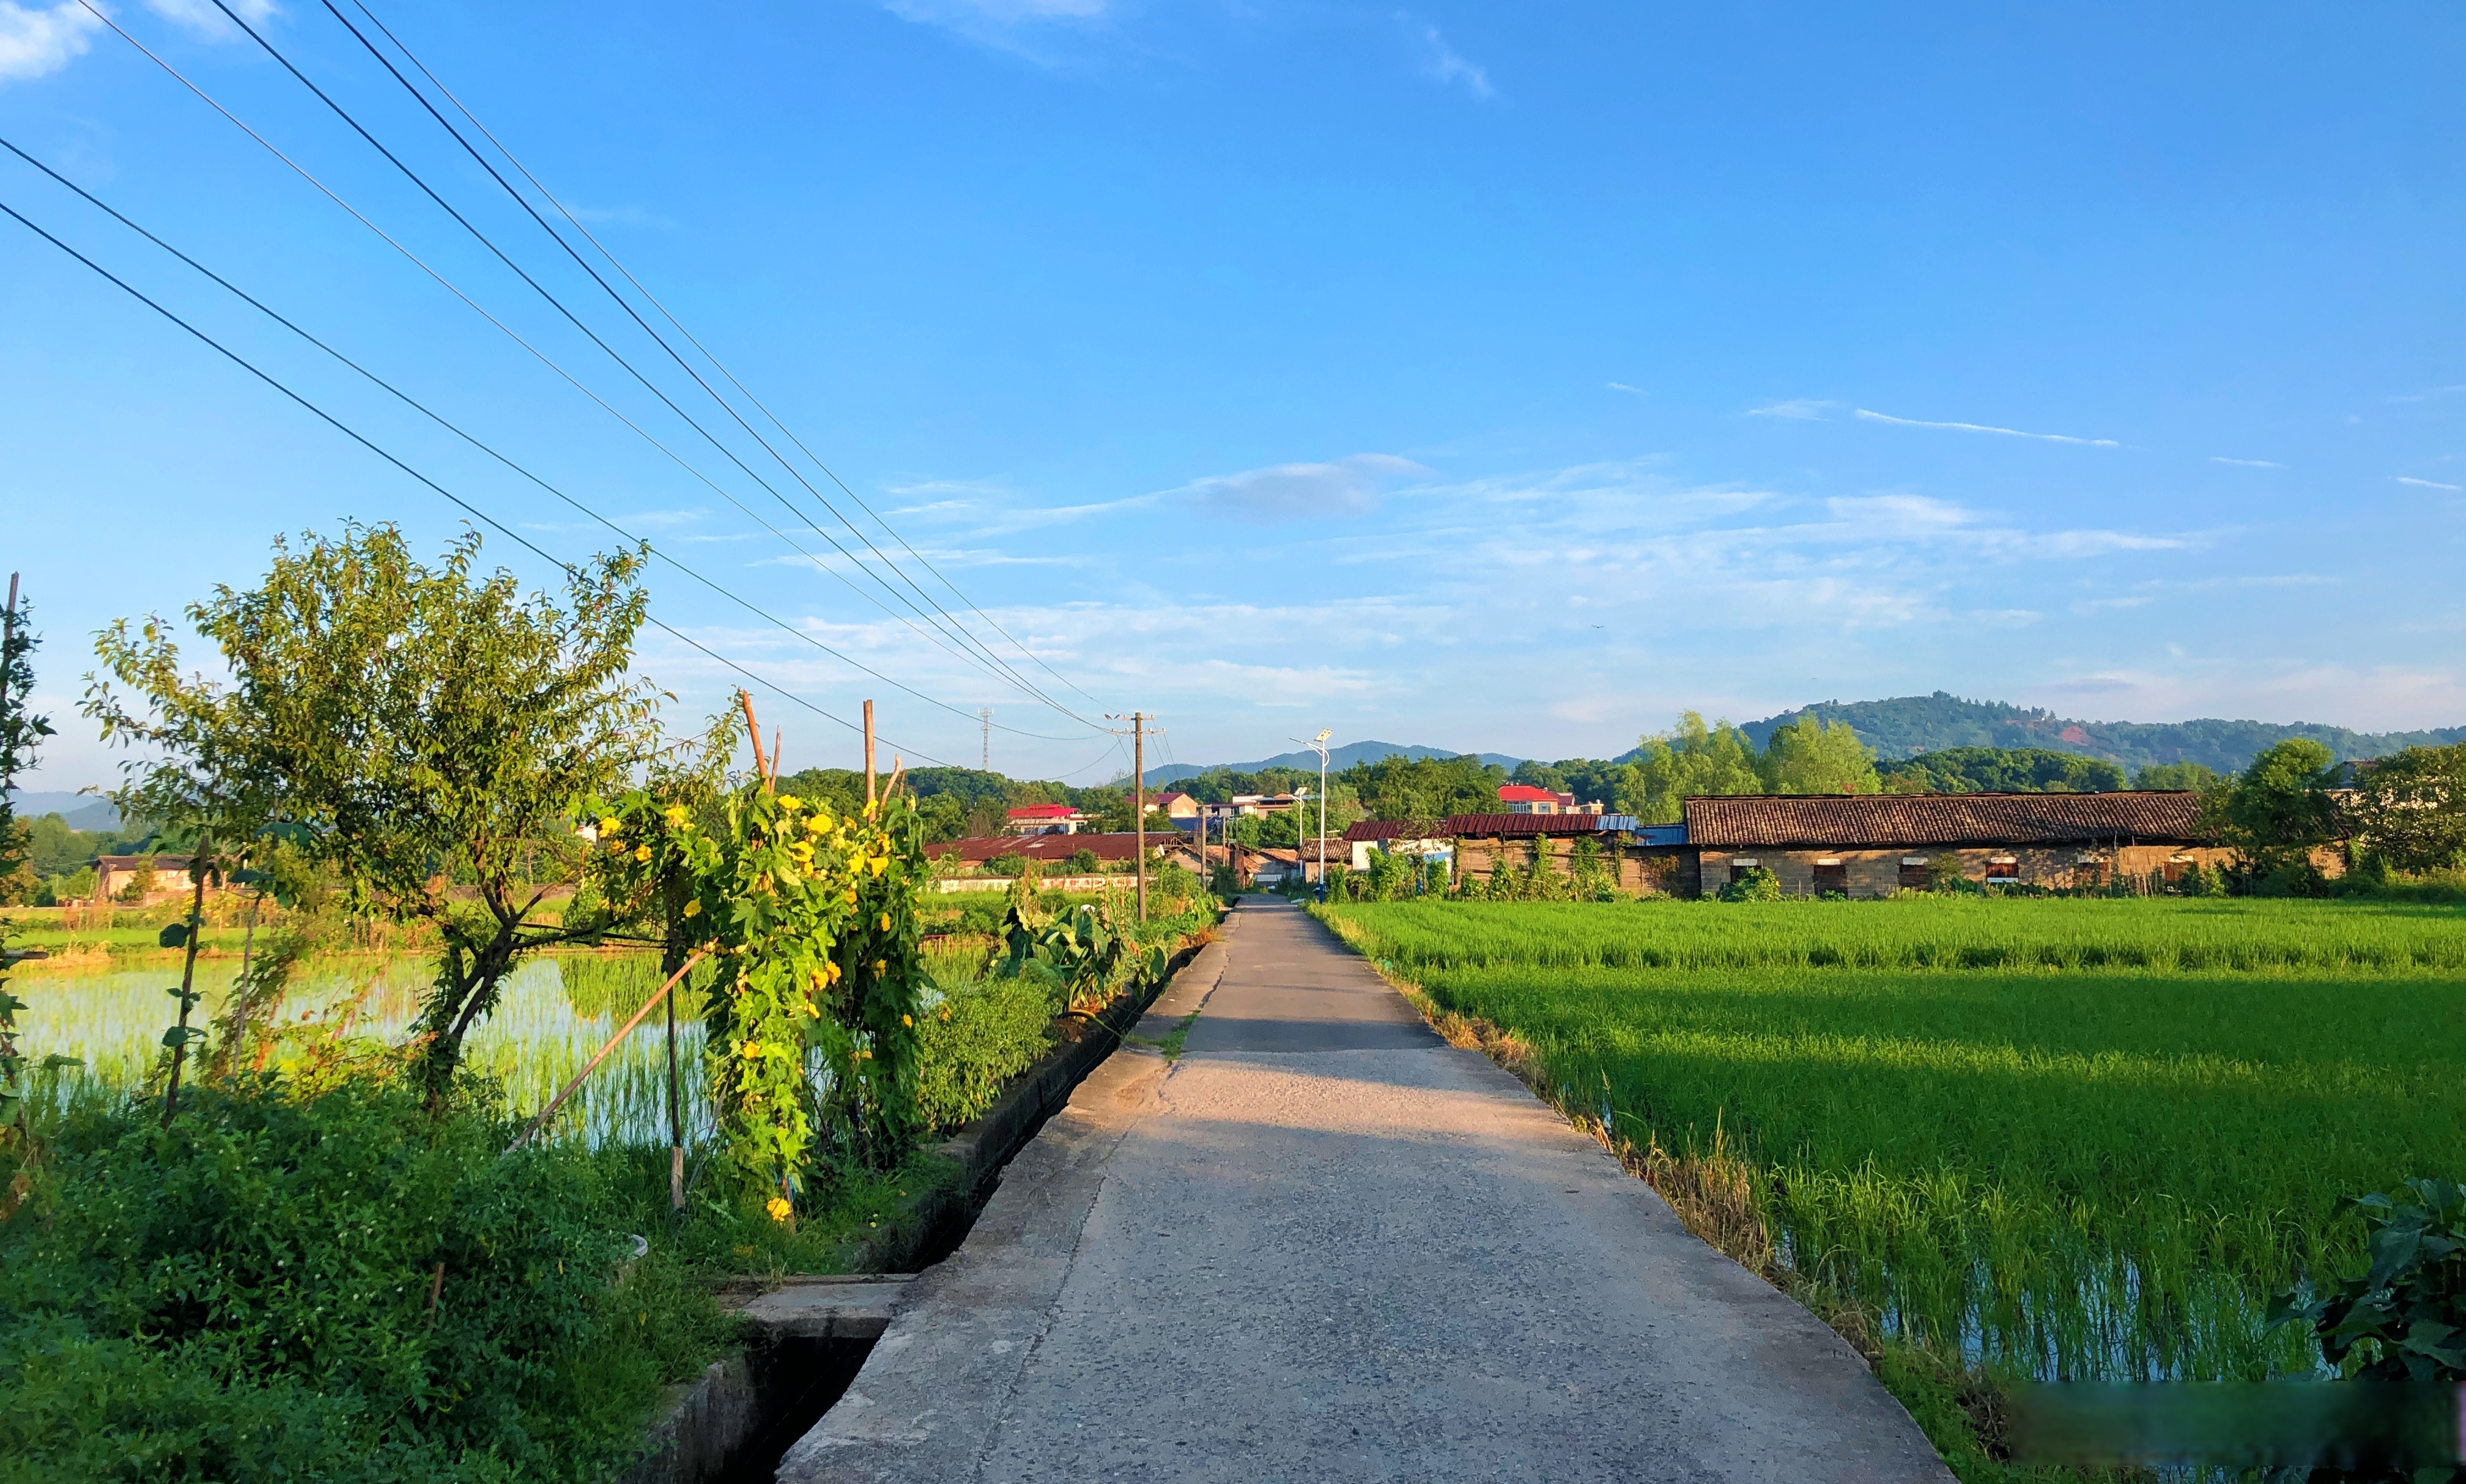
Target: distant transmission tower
{"type": "Point", "coordinates": [986, 715]}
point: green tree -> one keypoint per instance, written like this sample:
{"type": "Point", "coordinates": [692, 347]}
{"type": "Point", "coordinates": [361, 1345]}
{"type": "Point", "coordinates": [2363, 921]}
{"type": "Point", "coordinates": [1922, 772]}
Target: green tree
{"type": "Point", "coordinates": [2411, 808]}
{"type": "Point", "coordinates": [1396, 787]}
{"type": "Point", "coordinates": [21, 733]}
{"type": "Point", "coordinates": [1814, 756]}
{"type": "Point", "coordinates": [2276, 810]}
{"type": "Point", "coordinates": [2000, 770]}
{"type": "Point", "coordinates": [421, 726]}
{"type": "Point", "coordinates": [2196, 776]}
{"type": "Point", "coordinates": [1690, 759]}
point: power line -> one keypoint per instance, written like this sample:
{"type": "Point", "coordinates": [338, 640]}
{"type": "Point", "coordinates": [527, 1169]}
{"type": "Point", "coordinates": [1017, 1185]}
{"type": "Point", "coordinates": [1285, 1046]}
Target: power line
{"type": "Point", "coordinates": [645, 434]}
{"type": "Point", "coordinates": [576, 321]}
{"type": "Point", "coordinates": [664, 313]}
{"type": "Point", "coordinates": [449, 426]}
{"type": "Point", "coordinates": [491, 521]}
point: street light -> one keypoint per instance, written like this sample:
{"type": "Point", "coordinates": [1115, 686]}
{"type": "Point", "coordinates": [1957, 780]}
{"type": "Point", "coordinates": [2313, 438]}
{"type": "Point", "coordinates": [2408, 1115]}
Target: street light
{"type": "Point", "coordinates": [1317, 744]}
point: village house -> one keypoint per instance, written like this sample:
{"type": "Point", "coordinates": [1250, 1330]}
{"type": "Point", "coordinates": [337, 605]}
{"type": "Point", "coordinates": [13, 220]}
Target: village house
{"type": "Point", "coordinates": [1873, 845]}
{"type": "Point", "coordinates": [1180, 808]}
{"type": "Point", "coordinates": [1045, 819]}
{"type": "Point", "coordinates": [1524, 799]}
{"type": "Point", "coordinates": [114, 875]}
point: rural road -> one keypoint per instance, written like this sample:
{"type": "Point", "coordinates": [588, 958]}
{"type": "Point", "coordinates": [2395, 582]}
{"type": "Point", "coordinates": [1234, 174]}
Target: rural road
{"type": "Point", "coordinates": [1323, 1244]}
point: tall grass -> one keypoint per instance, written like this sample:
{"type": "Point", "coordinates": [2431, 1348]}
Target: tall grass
{"type": "Point", "coordinates": [2066, 1169]}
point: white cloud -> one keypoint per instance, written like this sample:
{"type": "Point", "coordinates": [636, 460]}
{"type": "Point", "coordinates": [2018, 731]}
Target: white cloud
{"type": "Point", "coordinates": [1018, 27]}
{"type": "Point", "coordinates": [2007, 432]}
{"type": "Point", "coordinates": [1624, 386]}
{"type": "Point", "coordinates": [37, 43]}
{"type": "Point", "coordinates": [1440, 63]}
{"type": "Point", "coordinates": [2424, 396]}
{"type": "Point", "coordinates": [1291, 492]}
{"type": "Point", "coordinates": [1804, 408]}
{"type": "Point", "coordinates": [202, 19]}
{"type": "Point", "coordinates": [2431, 484]}
{"type": "Point", "coordinates": [2244, 463]}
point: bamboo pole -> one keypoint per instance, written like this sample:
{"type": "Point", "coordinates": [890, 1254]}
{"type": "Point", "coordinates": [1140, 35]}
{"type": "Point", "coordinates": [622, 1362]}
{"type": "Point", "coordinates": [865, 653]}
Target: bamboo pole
{"type": "Point", "coordinates": [558, 1101]}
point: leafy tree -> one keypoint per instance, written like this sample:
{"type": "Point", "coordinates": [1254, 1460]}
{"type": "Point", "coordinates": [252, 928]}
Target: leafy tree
{"type": "Point", "coordinates": [1690, 759]}
{"type": "Point", "coordinates": [1397, 788]}
{"type": "Point", "coordinates": [2195, 777]}
{"type": "Point", "coordinates": [420, 725]}
{"type": "Point", "coordinates": [2000, 770]}
{"type": "Point", "coordinates": [2277, 809]}
{"type": "Point", "coordinates": [1813, 755]}
{"type": "Point", "coordinates": [1540, 775]}
{"type": "Point", "coordinates": [21, 733]}
{"type": "Point", "coordinates": [2411, 808]}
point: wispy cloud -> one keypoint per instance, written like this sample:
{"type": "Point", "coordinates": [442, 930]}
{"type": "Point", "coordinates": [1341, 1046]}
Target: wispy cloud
{"type": "Point", "coordinates": [200, 17]}
{"type": "Point", "coordinates": [2007, 433]}
{"type": "Point", "coordinates": [1018, 27]}
{"type": "Point", "coordinates": [2244, 463]}
{"type": "Point", "coordinates": [2431, 484]}
{"type": "Point", "coordinates": [1288, 492]}
{"type": "Point", "coordinates": [1439, 61]}
{"type": "Point", "coordinates": [1624, 386]}
{"type": "Point", "coordinates": [37, 43]}
{"type": "Point", "coordinates": [2426, 396]}
{"type": "Point", "coordinates": [1804, 408]}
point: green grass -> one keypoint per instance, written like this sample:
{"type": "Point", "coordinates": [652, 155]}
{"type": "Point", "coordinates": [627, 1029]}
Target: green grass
{"type": "Point", "coordinates": [2069, 1170]}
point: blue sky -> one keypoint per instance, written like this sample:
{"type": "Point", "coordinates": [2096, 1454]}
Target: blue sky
{"type": "Point", "coordinates": [1505, 378]}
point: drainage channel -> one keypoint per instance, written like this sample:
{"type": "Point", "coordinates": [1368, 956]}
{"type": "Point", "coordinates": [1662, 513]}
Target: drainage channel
{"type": "Point", "coordinates": [796, 1381]}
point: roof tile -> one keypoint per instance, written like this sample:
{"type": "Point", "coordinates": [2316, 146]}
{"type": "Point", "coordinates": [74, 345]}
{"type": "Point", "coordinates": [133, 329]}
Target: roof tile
{"type": "Point", "coordinates": [1943, 818]}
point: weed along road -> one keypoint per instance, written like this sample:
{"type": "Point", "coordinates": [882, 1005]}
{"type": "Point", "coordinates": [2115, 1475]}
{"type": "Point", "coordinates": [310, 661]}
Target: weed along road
{"type": "Point", "coordinates": [1319, 1243]}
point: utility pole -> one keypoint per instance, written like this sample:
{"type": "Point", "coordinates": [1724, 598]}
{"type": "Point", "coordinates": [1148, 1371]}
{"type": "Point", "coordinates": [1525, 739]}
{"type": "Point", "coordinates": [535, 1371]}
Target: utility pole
{"type": "Point", "coordinates": [986, 717]}
{"type": "Point", "coordinates": [1317, 744]}
{"type": "Point", "coordinates": [1139, 803]}
{"type": "Point", "coordinates": [1138, 721]}
{"type": "Point", "coordinates": [869, 754]}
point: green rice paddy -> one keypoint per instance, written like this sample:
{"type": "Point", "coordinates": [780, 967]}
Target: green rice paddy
{"type": "Point", "coordinates": [2067, 1139]}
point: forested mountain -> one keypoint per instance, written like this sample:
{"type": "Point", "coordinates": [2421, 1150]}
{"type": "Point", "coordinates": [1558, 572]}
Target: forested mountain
{"type": "Point", "coordinates": [1908, 726]}
{"type": "Point", "coordinates": [1338, 760]}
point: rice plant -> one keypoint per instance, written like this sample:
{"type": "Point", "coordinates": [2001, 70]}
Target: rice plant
{"type": "Point", "coordinates": [2070, 1139]}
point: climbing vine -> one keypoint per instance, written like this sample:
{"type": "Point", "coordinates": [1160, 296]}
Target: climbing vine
{"type": "Point", "coordinates": [810, 920]}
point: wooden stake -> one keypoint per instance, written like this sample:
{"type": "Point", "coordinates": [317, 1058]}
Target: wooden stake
{"type": "Point", "coordinates": [753, 729]}
{"type": "Point", "coordinates": [869, 754]}
{"type": "Point", "coordinates": [558, 1101]}
{"type": "Point", "coordinates": [775, 758]}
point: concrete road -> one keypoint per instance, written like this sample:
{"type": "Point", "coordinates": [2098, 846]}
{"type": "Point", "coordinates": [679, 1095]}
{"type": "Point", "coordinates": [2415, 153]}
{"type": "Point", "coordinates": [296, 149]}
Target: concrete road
{"type": "Point", "coordinates": [1325, 1244]}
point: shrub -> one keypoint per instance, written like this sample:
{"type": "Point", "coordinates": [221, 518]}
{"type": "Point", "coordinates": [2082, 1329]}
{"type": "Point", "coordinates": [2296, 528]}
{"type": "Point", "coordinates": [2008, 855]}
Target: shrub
{"type": "Point", "coordinates": [247, 1295]}
{"type": "Point", "coordinates": [981, 1035]}
{"type": "Point", "coordinates": [1753, 884]}
{"type": "Point", "coordinates": [1010, 863]}
{"type": "Point", "coordinates": [2405, 1319]}
{"type": "Point", "coordinates": [1083, 862]}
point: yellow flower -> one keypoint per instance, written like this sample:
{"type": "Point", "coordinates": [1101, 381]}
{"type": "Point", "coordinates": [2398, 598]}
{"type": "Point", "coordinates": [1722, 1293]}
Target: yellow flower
{"type": "Point", "coordinates": [851, 896]}
{"type": "Point", "coordinates": [836, 973]}
{"type": "Point", "coordinates": [789, 804]}
{"type": "Point", "coordinates": [674, 814]}
{"type": "Point", "coordinates": [693, 909]}
{"type": "Point", "coordinates": [779, 1208]}
{"type": "Point", "coordinates": [910, 1021]}
{"type": "Point", "coordinates": [886, 921]}
{"type": "Point", "coordinates": [878, 967]}
{"type": "Point", "coordinates": [641, 853]}
{"type": "Point", "coordinates": [612, 825]}
{"type": "Point", "coordinates": [877, 863]}
{"type": "Point", "coordinates": [749, 1050]}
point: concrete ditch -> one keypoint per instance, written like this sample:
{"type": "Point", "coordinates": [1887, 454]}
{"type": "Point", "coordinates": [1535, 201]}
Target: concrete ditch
{"type": "Point", "coordinates": [812, 1333]}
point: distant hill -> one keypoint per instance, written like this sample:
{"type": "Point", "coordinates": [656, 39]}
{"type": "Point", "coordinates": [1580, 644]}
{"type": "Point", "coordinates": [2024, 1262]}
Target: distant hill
{"type": "Point", "coordinates": [1908, 726]}
{"type": "Point", "coordinates": [80, 810]}
{"type": "Point", "coordinates": [1338, 760]}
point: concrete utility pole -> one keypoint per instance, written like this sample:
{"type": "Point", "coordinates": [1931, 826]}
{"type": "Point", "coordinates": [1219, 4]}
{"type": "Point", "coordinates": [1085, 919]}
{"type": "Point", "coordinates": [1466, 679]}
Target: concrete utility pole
{"type": "Point", "coordinates": [1140, 802]}
{"type": "Point", "coordinates": [869, 754]}
{"type": "Point", "coordinates": [986, 717]}
{"type": "Point", "coordinates": [1138, 721]}
{"type": "Point", "coordinates": [1317, 744]}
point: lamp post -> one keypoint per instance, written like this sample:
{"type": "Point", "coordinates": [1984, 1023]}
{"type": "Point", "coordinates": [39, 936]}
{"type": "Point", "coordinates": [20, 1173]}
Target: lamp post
{"type": "Point", "coordinates": [1317, 744]}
